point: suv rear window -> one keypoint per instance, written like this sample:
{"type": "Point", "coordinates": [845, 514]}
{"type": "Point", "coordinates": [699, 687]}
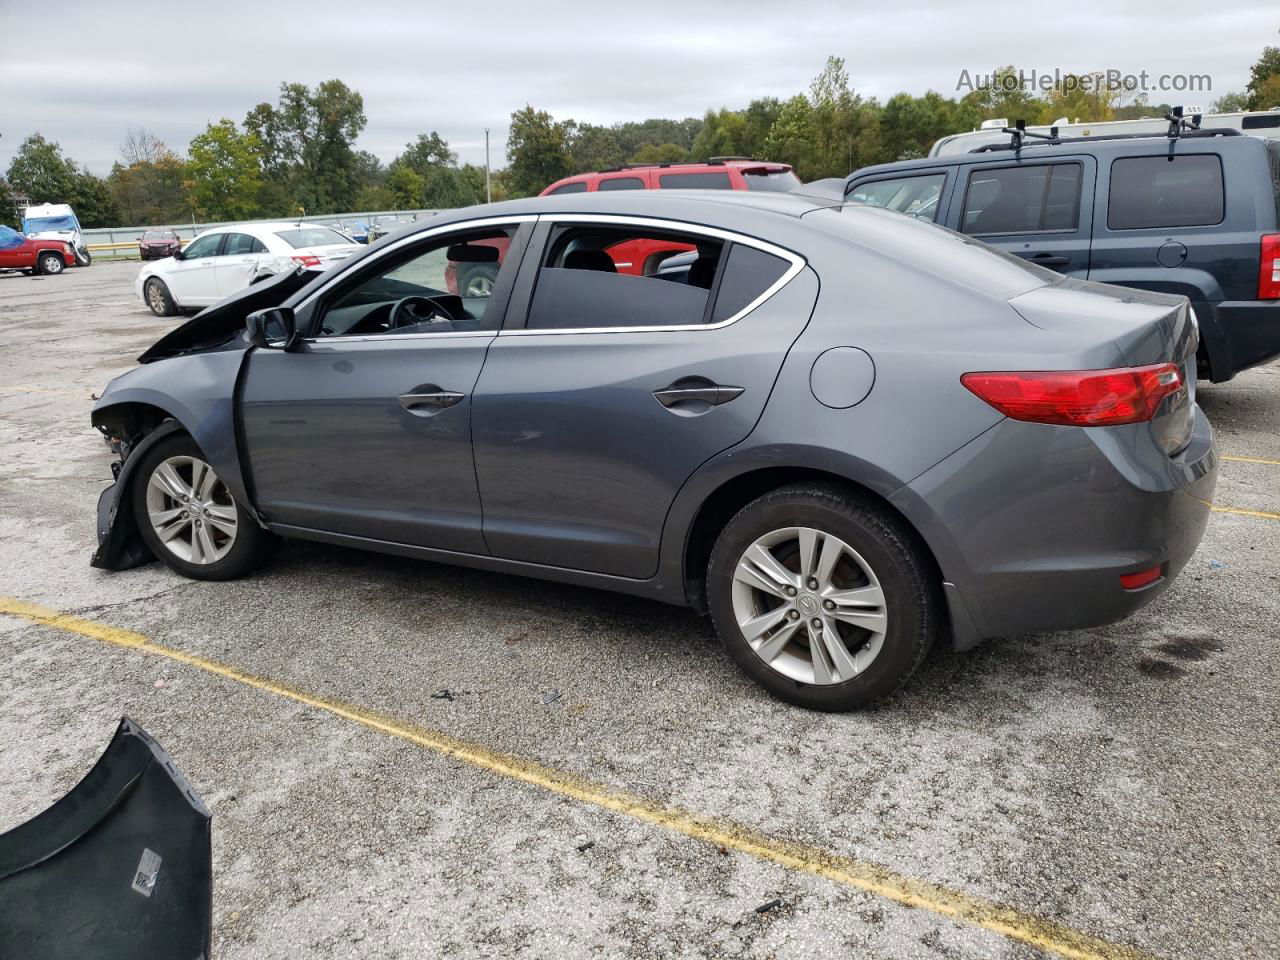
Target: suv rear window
{"type": "Point", "coordinates": [1165, 191]}
{"type": "Point", "coordinates": [778, 181]}
{"type": "Point", "coordinates": [697, 181]}
{"type": "Point", "coordinates": [578, 186]}
{"type": "Point", "coordinates": [620, 183]}
{"type": "Point", "coordinates": [1022, 199]}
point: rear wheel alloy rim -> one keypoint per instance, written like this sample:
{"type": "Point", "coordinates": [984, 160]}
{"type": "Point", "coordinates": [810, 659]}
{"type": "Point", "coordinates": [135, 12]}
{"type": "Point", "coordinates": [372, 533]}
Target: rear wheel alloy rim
{"type": "Point", "coordinates": [191, 510]}
{"type": "Point", "coordinates": [809, 605]}
{"type": "Point", "coordinates": [154, 298]}
{"type": "Point", "coordinates": [480, 285]}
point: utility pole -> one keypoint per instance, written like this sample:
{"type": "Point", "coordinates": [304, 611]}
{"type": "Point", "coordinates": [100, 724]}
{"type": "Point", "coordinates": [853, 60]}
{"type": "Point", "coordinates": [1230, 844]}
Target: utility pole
{"type": "Point", "coordinates": [488, 193]}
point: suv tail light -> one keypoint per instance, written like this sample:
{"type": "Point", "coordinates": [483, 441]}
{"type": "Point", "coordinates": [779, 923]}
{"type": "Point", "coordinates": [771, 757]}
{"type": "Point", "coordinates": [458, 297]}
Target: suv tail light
{"type": "Point", "coordinates": [1269, 268]}
{"type": "Point", "coordinates": [1078, 398]}
{"type": "Point", "coordinates": [307, 260]}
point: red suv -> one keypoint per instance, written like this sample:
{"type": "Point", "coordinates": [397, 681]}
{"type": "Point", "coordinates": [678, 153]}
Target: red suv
{"type": "Point", "coordinates": [638, 257]}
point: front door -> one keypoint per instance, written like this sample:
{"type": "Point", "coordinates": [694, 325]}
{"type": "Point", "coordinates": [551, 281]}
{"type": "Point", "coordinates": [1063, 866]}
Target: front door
{"type": "Point", "coordinates": [366, 430]}
{"type": "Point", "coordinates": [193, 279]}
{"type": "Point", "coordinates": [615, 388]}
{"type": "Point", "coordinates": [1036, 208]}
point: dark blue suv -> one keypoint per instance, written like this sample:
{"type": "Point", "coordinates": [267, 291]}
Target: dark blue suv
{"type": "Point", "coordinates": [1196, 215]}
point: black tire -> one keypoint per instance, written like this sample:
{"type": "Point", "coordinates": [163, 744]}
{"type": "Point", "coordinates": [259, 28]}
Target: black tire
{"type": "Point", "coordinates": [158, 298]}
{"type": "Point", "coordinates": [83, 257]}
{"type": "Point", "coordinates": [250, 547]}
{"type": "Point", "coordinates": [910, 592]}
{"type": "Point", "coordinates": [50, 264]}
{"type": "Point", "coordinates": [479, 275]}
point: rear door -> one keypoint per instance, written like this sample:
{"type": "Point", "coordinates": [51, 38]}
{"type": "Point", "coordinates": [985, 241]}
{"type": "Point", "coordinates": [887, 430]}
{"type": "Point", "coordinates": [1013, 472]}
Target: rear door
{"type": "Point", "coordinates": [1036, 207]}
{"type": "Point", "coordinates": [601, 397]}
{"type": "Point", "coordinates": [193, 279]}
{"type": "Point", "coordinates": [241, 257]}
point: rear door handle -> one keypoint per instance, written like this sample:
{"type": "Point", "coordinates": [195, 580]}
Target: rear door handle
{"type": "Point", "coordinates": [691, 396]}
{"type": "Point", "coordinates": [1049, 259]}
{"type": "Point", "coordinates": [428, 400]}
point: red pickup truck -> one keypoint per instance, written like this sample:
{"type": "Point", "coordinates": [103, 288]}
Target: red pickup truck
{"type": "Point", "coordinates": [639, 257]}
{"type": "Point", "coordinates": [33, 256]}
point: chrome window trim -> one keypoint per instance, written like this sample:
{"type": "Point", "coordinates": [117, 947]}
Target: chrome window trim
{"type": "Point", "coordinates": [798, 263]}
{"type": "Point", "coordinates": [404, 242]}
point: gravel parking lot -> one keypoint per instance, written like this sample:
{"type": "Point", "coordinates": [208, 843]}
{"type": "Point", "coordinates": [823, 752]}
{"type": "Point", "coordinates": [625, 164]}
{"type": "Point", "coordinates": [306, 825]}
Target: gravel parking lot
{"type": "Point", "coordinates": [408, 760]}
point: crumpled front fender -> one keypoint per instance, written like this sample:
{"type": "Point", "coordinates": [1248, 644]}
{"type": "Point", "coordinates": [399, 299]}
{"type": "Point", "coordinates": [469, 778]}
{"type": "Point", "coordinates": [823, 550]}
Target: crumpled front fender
{"type": "Point", "coordinates": [120, 546]}
{"type": "Point", "coordinates": [121, 867]}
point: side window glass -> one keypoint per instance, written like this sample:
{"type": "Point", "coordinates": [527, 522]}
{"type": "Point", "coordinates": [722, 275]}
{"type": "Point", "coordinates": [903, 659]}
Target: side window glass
{"type": "Point", "coordinates": [747, 274]}
{"type": "Point", "coordinates": [914, 196]}
{"type": "Point", "coordinates": [238, 243]}
{"type": "Point", "coordinates": [696, 181]}
{"type": "Point", "coordinates": [203, 247]}
{"type": "Point", "coordinates": [1164, 191]}
{"type": "Point", "coordinates": [578, 186]}
{"type": "Point", "coordinates": [608, 276]}
{"type": "Point", "coordinates": [443, 285]}
{"type": "Point", "coordinates": [620, 183]}
{"type": "Point", "coordinates": [257, 247]}
{"type": "Point", "coordinates": [1022, 199]}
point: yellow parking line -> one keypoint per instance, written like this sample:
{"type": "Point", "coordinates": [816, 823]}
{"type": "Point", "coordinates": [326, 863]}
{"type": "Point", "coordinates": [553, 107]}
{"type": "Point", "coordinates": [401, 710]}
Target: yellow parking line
{"type": "Point", "coordinates": [1248, 513]}
{"type": "Point", "coordinates": [1273, 463]}
{"type": "Point", "coordinates": [846, 871]}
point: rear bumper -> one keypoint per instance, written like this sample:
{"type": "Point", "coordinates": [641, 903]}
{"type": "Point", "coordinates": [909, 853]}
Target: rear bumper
{"type": "Point", "coordinates": [1239, 334]}
{"type": "Point", "coordinates": [1046, 550]}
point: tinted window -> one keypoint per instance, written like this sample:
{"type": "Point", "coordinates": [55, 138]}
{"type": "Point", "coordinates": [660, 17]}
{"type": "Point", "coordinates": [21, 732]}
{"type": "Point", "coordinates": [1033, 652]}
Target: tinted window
{"type": "Point", "coordinates": [1263, 122]}
{"type": "Point", "coordinates": [311, 237]}
{"type": "Point", "coordinates": [747, 273]}
{"type": "Point", "coordinates": [608, 277]}
{"type": "Point", "coordinates": [441, 285]}
{"type": "Point", "coordinates": [10, 238]}
{"type": "Point", "coordinates": [1023, 199]}
{"type": "Point", "coordinates": [914, 196]}
{"type": "Point", "coordinates": [578, 186]}
{"type": "Point", "coordinates": [698, 181]}
{"type": "Point", "coordinates": [777, 181]}
{"type": "Point", "coordinates": [238, 243]}
{"type": "Point", "coordinates": [621, 183]}
{"type": "Point", "coordinates": [1180, 191]}
{"type": "Point", "coordinates": [203, 247]}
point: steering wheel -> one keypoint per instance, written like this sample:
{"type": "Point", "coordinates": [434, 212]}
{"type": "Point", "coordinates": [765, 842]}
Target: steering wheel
{"type": "Point", "coordinates": [410, 311]}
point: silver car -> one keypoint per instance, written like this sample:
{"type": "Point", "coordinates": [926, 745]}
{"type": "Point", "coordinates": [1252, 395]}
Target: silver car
{"type": "Point", "coordinates": [841, 432]}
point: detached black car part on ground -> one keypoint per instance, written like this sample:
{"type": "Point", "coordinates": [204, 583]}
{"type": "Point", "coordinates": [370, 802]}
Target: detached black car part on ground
{"type": "Point", "coordinates": [118, 868]}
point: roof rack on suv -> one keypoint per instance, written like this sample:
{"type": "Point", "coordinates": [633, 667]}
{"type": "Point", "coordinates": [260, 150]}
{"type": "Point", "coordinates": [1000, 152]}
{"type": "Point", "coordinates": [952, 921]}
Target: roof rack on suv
{"type": "Point", "coordinates": [1046, 142]}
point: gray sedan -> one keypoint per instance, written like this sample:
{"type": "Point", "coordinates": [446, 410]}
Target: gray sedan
{"type": "Point", "coordinates": [841, 432]}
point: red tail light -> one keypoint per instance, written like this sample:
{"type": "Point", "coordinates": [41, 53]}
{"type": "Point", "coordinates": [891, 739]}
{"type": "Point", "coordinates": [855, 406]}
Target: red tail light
{"type": "Point", "coordinates": [1143, 578]}
{"type": "Point", "coordinates": [307, 260]}
{"type": "Point", "coordinates": [1078, 398]}
{"type": "Point", "coordinates": [1269, 268]}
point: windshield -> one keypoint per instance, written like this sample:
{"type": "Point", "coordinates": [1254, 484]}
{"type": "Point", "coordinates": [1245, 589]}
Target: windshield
{"type": "Point", "coordinates": [50, 224]}
{"type": "Point", "coordinates": [311, 237]}
{"type": "Point", "coordinates": [778, 181]}
{"type": "Point", "coordinates": [159, 235]}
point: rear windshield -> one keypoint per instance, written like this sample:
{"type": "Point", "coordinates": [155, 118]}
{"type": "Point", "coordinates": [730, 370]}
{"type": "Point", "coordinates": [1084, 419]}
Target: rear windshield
{"type": "Point", "coordinates": [311, 237]}
{"type": "Point", "coordinates": [778, 181]}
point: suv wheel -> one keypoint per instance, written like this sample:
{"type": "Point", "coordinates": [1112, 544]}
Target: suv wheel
{"type": "Point", "coordinates": [51, 264]}
{"type": "Point", "coordinates": [821, 597]}
{"type": "Point", "coordinates": [188, 517]}
{"type": "Point", "coordinates": [159, 299]}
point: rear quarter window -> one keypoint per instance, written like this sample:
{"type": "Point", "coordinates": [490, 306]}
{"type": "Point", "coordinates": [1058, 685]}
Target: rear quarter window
{"type": "Point", "coordinates": [746, 276]}
{"type": "Point", "coordinates": [578, 186]}
{"type": "Point", "coordinates": [1185, 190]}
{"type": "Point", "coordinates": [695, 181]}
{"type": "Point", "coordinates": [620, 183]}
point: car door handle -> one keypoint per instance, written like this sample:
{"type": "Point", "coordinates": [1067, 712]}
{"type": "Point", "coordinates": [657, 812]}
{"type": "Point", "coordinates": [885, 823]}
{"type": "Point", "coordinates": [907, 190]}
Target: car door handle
{"type": "Point", "coordinates": [1049, 259]}
{"type": "Point", "coordinates": [427, 401]}
{"type": "Point", "coordinates": [692, 396]}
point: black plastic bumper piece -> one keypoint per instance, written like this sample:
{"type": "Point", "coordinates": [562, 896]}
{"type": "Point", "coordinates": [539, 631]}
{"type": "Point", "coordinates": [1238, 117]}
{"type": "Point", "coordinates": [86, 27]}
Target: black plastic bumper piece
{"type": "Point", "coordinates": [118, 868]}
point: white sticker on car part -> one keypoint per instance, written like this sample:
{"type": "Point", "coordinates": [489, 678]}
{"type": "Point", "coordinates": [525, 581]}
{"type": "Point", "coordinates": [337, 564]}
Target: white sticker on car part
{"type": "Point", "coordinates": [144, 881]}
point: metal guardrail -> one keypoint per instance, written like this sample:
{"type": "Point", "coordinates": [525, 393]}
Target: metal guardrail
{"type": "Point", "coordinates": [121, 243]}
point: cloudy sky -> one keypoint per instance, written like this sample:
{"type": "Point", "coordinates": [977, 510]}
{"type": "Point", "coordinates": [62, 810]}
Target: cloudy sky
{"type": "Point", "coordinates": [95, 69]}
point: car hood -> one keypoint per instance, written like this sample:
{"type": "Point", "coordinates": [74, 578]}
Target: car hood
{"type": "Point", "coordinates": [215, 326]}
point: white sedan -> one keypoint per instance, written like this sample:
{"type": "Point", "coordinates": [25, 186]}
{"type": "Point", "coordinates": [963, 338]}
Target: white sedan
{"type": "Point", "coordinates": [225, 260]}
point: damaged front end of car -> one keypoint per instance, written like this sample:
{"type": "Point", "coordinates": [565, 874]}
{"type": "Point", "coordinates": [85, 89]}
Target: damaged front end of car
{"type": "Point", "coordinates": [186, 381]}
{"type": "Point", "coordinates": [120, 867]}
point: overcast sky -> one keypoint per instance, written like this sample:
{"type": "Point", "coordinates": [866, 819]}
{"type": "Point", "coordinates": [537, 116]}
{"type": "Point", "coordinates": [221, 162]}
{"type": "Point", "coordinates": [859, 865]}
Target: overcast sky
{"type": "Point", "coordinates": [89, 71]}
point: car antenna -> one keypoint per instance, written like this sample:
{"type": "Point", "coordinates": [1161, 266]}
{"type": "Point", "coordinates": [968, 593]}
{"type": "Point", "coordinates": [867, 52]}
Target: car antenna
{"type": "Point", "coordinates": [1178, 123]}
{"type": "Point", "coordinates": [1019, 131]}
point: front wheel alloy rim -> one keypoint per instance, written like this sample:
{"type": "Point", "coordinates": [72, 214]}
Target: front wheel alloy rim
{"type": "Point", "coordinates": [155, 299]}
{"type": "Point", "coordinates": [809, 605]}
{"type": "Point", "coordinates": [191, 510]}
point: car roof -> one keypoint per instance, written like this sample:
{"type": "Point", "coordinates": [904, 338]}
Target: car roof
{"type": "Point", "coordinates": [1033, 151]}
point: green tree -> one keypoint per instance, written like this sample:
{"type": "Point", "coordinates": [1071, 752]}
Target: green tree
{"type": "Point", "coordinates": [405, 186]}
{"type": "Point", "coordinates": [537, 151]}
{"type": "Point", "coordinates": [791, 138]}
{"type": "Point", "coordinates": [8, 209]}
{"type": "Point", "coordinates": [723, 134]}
{"type": "Point", "coordinates": [593, 147]}
{"type": "Point", "coordinates": [428, 150]}
{"type": "Point", "coordinates": [1234, 102]}
{"type": "Point", "coordinates": [660, 153]}
{"type": "Point", "coordinates": [1005, 97]}
{"type": "Point", "coordinates": [225, 172]}
{"type": "Point", "coordinates": [40, 172]}
{"type": "Point", "coordinates": [147, 184]}
{"type": "Point", "coordinates": [1264, 85]}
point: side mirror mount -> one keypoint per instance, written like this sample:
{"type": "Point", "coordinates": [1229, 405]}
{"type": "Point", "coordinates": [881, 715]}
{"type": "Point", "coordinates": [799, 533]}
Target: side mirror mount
{"type": "Point", "coordinates": [273, 329]}
{"type": "Point", "coordinates": [178, 254]}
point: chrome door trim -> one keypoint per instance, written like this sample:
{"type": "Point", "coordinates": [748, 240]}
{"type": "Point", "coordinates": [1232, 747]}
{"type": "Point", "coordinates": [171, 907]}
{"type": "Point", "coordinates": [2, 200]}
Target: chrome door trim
{"type": "Point", "coordinates": [797, 262]}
